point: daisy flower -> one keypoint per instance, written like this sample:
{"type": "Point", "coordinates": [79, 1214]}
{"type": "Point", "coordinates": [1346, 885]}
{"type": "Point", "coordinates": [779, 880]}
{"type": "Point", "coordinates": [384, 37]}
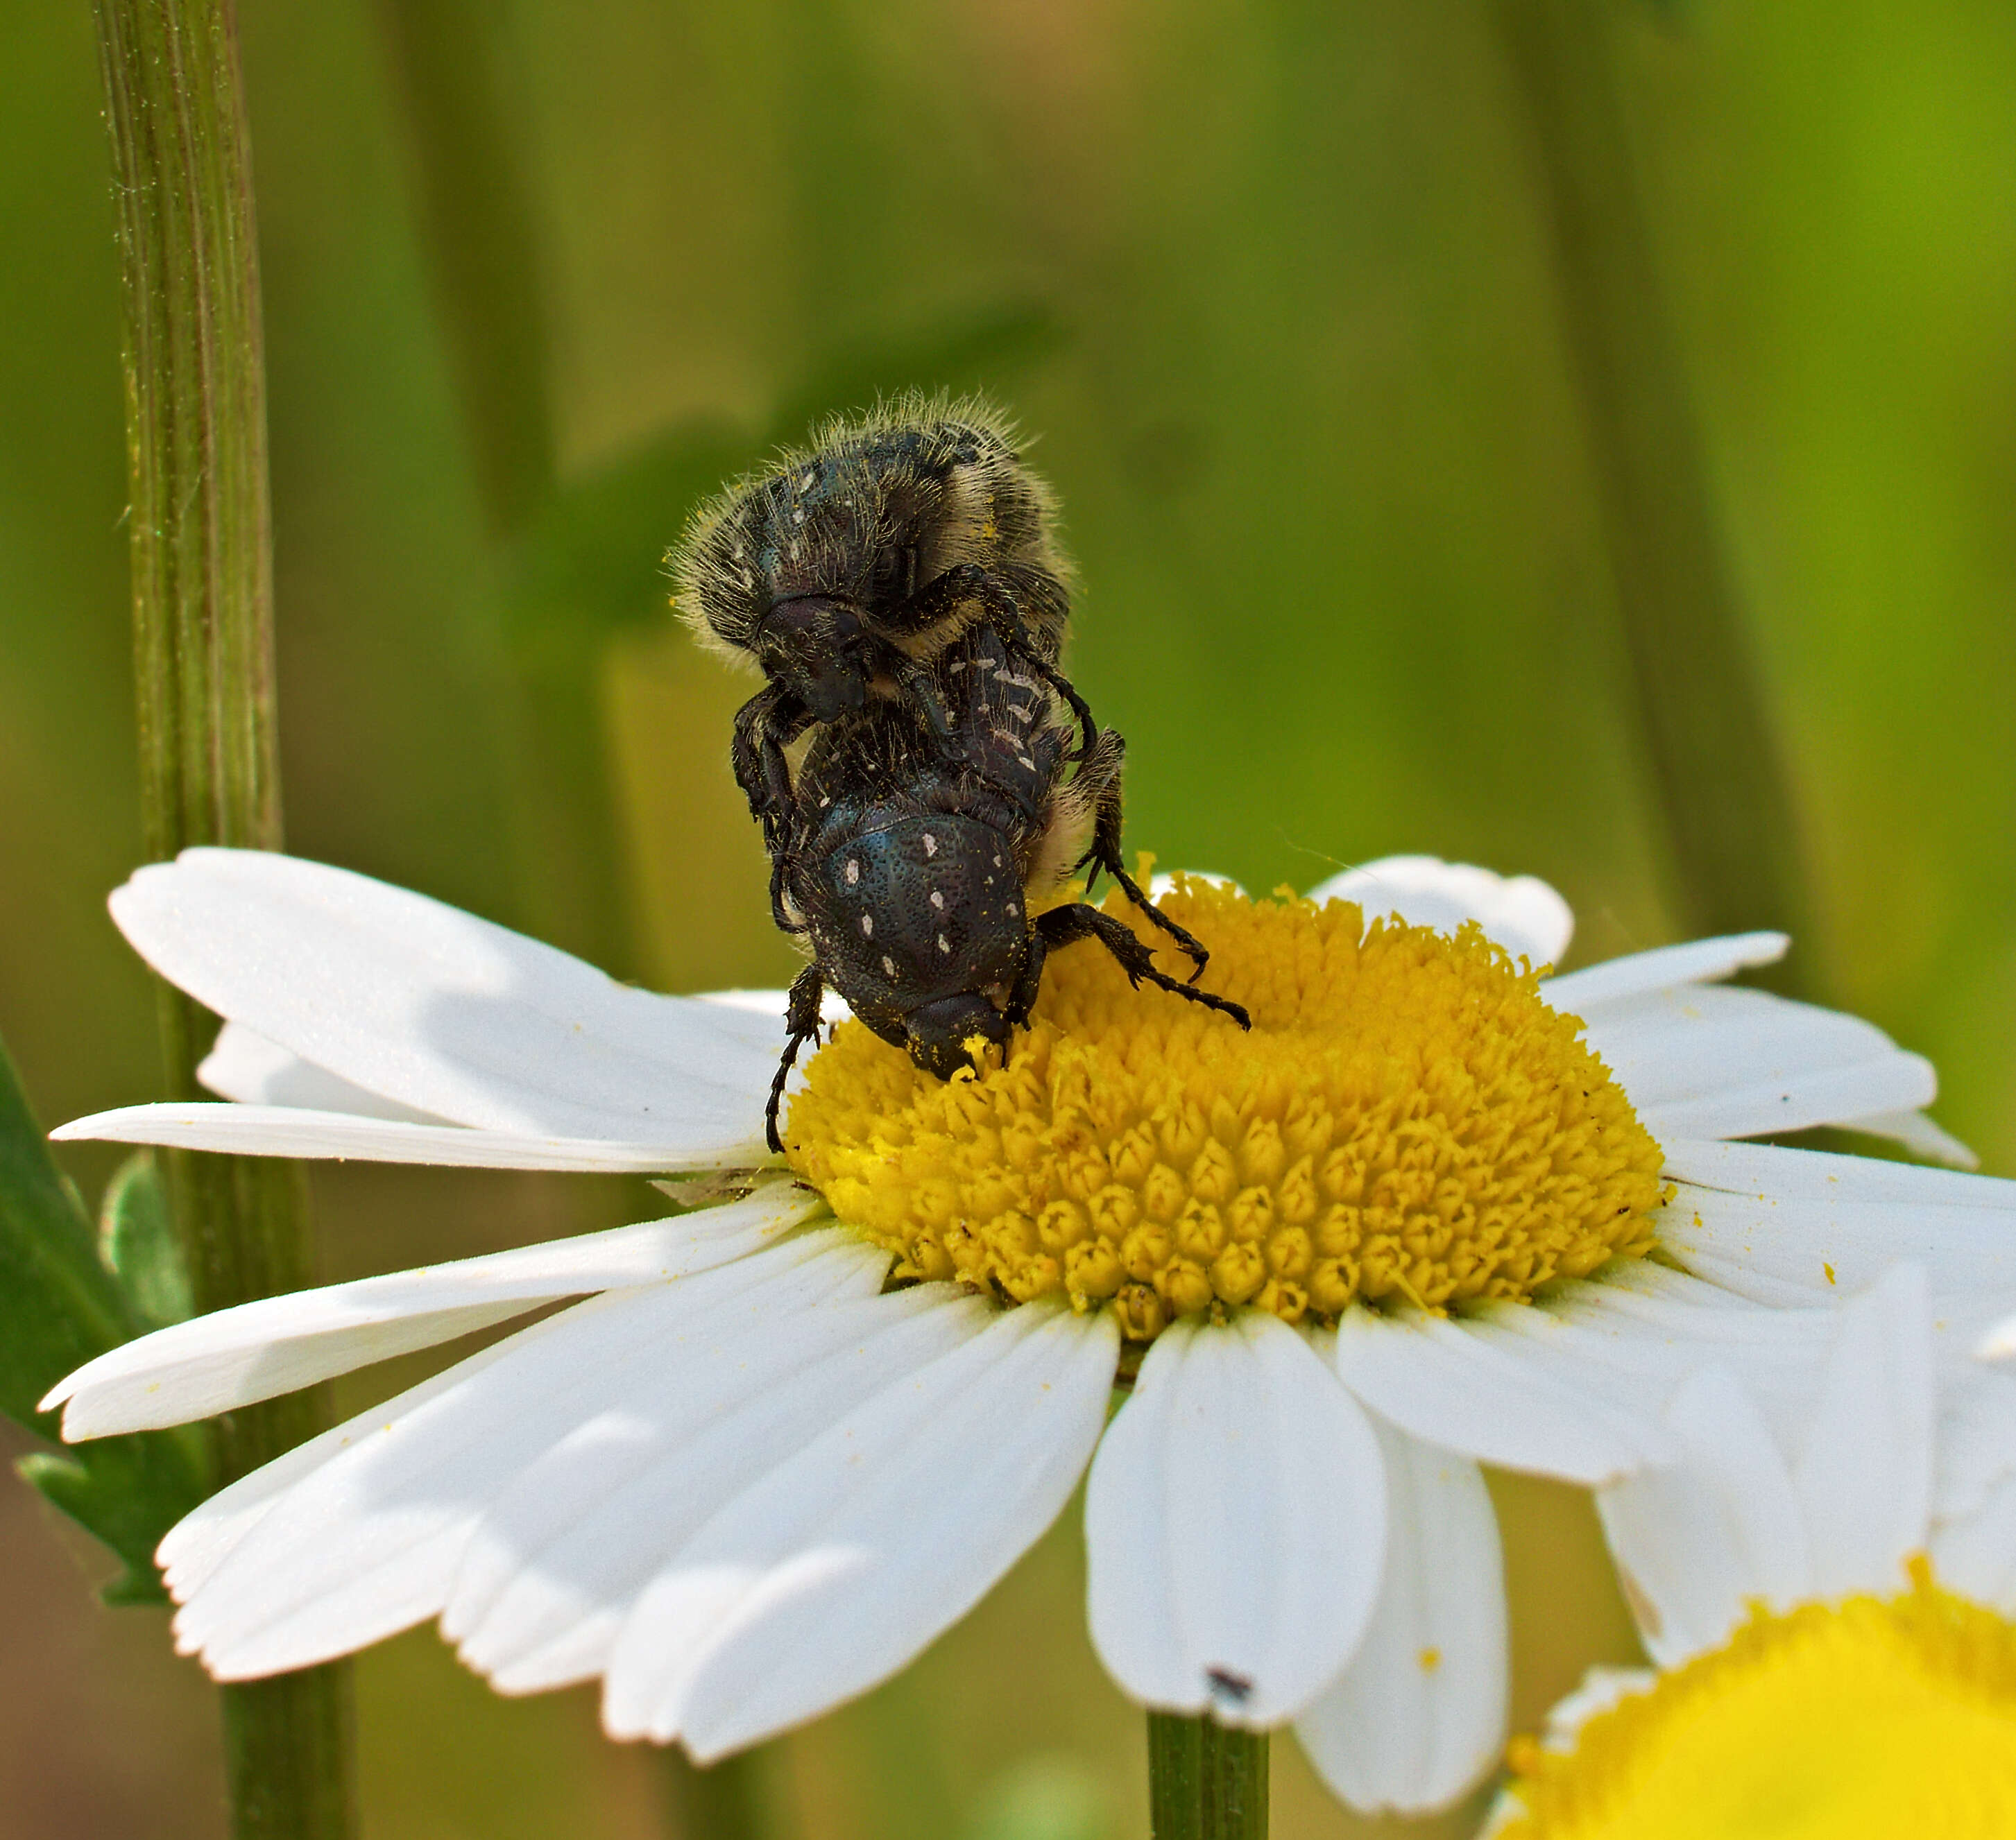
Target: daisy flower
{"type": "Point", "coordinates": [1813, 1679]}
{"type": "Point", "coordinates": [1435, 1210]}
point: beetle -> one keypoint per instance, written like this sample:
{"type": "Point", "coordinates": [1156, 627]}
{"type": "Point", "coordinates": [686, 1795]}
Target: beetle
{"type": "Point", "coordinates": [847, 569]}
{"type": "Point", "coordinates": [912, 869]}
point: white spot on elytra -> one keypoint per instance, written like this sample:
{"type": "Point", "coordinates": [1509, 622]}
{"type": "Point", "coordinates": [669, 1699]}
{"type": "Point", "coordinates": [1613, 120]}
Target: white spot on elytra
{"type": "Point", "coordinates": [888, 965]}
{"type": "Point", "coordinates": [794, 550]}
{"type": "Point", "coordinates": [867, 926]}
{"type": "Point", "coordinates": [931, 844]}
{"type": "Point", "coordinates": [944, 944]}
{"type": "Point", "coordinates": [798, 517]}
{"type": "Point", "coordinates": [997, 862]}
{"type": "Point", "coordinates": [805, 479]}
{"type": "Point", "coordinates": [937, 900]}
{"type": "Point", "coordinates": [1012, 908]}
{"type": "Point", "coordinates": [853, 871]}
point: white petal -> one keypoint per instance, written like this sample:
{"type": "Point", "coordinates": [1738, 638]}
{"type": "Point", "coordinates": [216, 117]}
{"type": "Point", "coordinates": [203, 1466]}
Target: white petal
{"type": "Point", "coordinates": [1445, 1384]}
{"type": "Point", "coordinates": [1697, 1539]}
{"type": "Point", "coordinates": [1975, 1444]}
{"type": "Point", "coordinates": [565, 1551]}
{"type": "Point", "coordinates": [1707, 1062]}
{"type": "Point", "coordinates": [1520, 912]}
{"type": "Point", "coordinates": [244, 1066]}
{"type": "Point", "coordinates": [1419, 1714]}
{"type": "Point", "coordinates": [1665, 968]}
{"type": "Point", "coordinates": [419, 1003]}
{"type": "Point", "coordinates": [1575, 1387]}
{"type": "Point", "coordinates": [1602, 1689]}
{"type": "Point", "coordinates": [772, 1004]}
{"type": "Point", "coordinates": [1161, 884]}
{"type": "Point", "coordinates": [367, 1543]}
{"type": "Point", "coordinates": [1769, 1170]}
{"type": "Point", "coordinates": [1234, 1525]}
{"type": "Point", "coordinates": [1804, 1249]}
{"type": "Point", "coordinates": [847, 1559]}
{"type": "Point", "coordinates": [278, 1344]}
{"type": "Point", "coordinates": [283, 1130]}
{"type": "Point", "coordinates": [1864, 1477]}
{"type": "Point", "coordinates": [1974, 1554]}
{"type": "Point", "coordinates": [1918, 1134]}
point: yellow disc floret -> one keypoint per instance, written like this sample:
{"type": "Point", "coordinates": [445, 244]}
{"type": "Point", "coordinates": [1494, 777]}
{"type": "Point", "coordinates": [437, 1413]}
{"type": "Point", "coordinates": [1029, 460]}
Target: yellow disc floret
{"type": "Point", "coordinates": [1875, 1719]}
{"type": "Point", "coordinates": [1406, 1119]}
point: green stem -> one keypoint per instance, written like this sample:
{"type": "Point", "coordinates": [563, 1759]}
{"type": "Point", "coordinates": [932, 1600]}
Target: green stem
{"type": "Point", "coordinates": [195, 419]}
{"type": "Point", "coordinates": [724, 1801]}
{"type": "Point", "coordinates": [1206, 1781]}
{"type": "Point", "coordinates": [1720, 779]}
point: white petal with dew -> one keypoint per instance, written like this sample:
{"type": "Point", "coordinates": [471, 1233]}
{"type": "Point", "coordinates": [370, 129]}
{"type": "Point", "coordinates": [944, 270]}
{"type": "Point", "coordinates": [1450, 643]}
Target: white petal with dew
{"type": "Point", "coordinates": [1419, 1714]}
{"type": "Point", "coordinates": [878, 1536]}
{"type": "Point", "coordinates": [255, 1351]}
{"type": "Point", "coordinates": [565, 1552]}
{"type": "Point", "coordinates": [1665, 968]}
{"type": "Point", "coordinates": [1234, 1525]}
{"type": "Point", "coordinates": [242, 1065]}
{"type": "Point", "coordinates": [368, 1542]}
{"type": "Point", "coordinates": [1696, 1541]}
{"type": "Point", "coordinates": [283, 1130]}
{"type": "Point", "coordinates": [1864, 1477]}
{"type": "Point", "coordinates": [1520, 912]}
{"type": "Point", "coordinates": [418, 1002]}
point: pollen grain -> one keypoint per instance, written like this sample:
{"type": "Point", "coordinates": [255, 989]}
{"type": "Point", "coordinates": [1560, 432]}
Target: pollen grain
{"type": "Point", "coordinates": [1407, 1120]}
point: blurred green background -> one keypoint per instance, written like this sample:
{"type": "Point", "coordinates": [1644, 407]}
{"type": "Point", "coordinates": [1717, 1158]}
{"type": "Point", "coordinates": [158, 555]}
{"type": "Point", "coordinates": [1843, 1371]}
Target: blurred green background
{"type": "Point", "coordinates": [1274, 284]}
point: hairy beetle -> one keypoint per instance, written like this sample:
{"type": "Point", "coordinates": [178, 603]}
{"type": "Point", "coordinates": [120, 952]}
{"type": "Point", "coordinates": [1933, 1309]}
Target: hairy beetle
{"type": "Point", "coordinates": [911, 867]}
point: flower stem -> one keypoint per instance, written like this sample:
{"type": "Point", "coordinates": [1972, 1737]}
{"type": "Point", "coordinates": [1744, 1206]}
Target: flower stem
{"type": "Point", "coordinates": [722, 1801]}
{"type": "Point", "coordinates": [195, 425]}
{"type": "Point", "coordinates": [1720, 779]}
{"type": "Point", "coordinates": [1206, 1781]}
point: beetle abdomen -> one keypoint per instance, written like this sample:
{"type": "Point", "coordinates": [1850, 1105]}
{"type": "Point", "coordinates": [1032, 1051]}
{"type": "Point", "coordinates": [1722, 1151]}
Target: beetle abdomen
{"type": "Point", "coordinates": [922, 907]}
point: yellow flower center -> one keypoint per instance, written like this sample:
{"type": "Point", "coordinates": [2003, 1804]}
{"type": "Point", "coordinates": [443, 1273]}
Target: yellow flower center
{"type": "Point", "coordinates": [1406, 1119]}
{"type": "Point", "coordinates": [1870, 1719]}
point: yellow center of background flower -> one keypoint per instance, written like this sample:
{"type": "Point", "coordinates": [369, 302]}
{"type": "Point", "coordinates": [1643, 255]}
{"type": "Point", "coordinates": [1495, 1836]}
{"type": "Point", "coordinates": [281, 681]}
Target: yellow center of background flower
{"type": "Point", "coordinates": [1406, 1119]}
{"type": "Point", "coordinates": [1873, 1719]}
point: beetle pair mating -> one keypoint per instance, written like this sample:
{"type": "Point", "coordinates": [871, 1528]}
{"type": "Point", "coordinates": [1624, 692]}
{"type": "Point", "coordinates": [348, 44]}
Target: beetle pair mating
{"type": "Point", "coordinates": [924, 772]}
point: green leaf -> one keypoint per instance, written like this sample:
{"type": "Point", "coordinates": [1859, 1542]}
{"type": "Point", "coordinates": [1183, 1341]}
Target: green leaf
{"type": "Point", "coordinates": [137, 1243]}
{"type": "Point", "coordinates": [59, 1306]}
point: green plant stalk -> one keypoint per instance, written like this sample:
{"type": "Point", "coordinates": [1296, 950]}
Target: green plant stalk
{"type": "Point", "coordinates": [1206, 1781]}
{"type": "Point", "coordinates": [723, 1801]}
{"type": "Point", "coordinates": [1721, 780]}
{"type": "Point", "coordinates": [195, 420]}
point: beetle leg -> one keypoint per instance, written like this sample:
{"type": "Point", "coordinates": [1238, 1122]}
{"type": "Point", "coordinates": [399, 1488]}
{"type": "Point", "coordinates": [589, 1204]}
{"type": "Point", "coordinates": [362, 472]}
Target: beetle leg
{"type": "Point", "coordinates": [970, 581]}
{"type": "Point", "coordinates": [801, 1023]}
{"type": "Point", "coordinates": [765, 726]}
{"type": "Point", "coordinates": [1063, 926]}
{"type": "Point", "coordinates": [1102, 772]}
